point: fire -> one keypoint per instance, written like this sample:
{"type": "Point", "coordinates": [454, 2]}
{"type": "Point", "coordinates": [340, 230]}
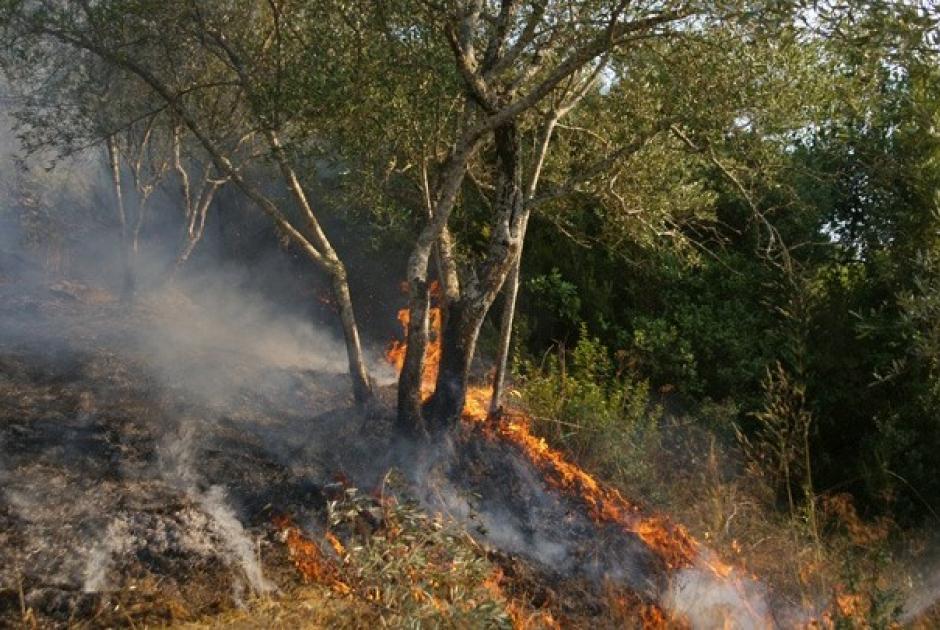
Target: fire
{"type": "Point", "coordinates": [671, 542]}
{"type": "Point", "coordinates": [847, 609]}
{"type": "Point", "coordinates": [626, 608]}
{"type": "Point", "coordinates": [309, 559]}
{"type": "Point", "coordinates": [522, 619]}
{"type": "Point", "coordinates": [605, 505]}
{"type": "Point", "coordinates": [395, 353]}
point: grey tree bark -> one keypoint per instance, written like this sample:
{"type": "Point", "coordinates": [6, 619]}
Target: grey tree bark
{"type": "Point", "coordinates": [462, 328]}
{"type": "Point", "coordinates": [114, 163]}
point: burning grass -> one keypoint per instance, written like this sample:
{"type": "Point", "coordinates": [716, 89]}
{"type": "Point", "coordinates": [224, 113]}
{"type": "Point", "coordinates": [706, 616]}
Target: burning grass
{"type": "Point", "coordinates": [833, 588]}
{"type": "Point", "coordinates": [134, 497]}
{"type": "Point", "coordinates": [605, 505]}
{"type": "Point", "coordinates": [403, 566]}
{"type": "Point", "coordinates": [84, 433]}
{"type": "Point", "coordinates": [394, 565]}
{"type": "Point", "coordinates": [380, 560]}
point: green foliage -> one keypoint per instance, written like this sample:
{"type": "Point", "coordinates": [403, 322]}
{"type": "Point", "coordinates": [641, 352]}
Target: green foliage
{"type": "Point", "coordinates": [418, 570]}
{"type": "Point", "coordinates": [556, 298]}
{"type": "Point", "coordinates": [836, 279]}
{"type": "Point", "coordinates": [598, 411]}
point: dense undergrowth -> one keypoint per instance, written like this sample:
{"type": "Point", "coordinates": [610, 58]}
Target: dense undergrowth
{"type": "Point", "coordinates": [735, 492]}
{"type": "Point", "coordinates": [382, 561]}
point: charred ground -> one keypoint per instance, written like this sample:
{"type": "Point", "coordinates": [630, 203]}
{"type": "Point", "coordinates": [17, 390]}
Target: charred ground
{"type": "Point", "coordinates": [141, 474]}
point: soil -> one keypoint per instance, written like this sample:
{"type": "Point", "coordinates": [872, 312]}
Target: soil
{"type": "Point", "coordinates": [140, 470]}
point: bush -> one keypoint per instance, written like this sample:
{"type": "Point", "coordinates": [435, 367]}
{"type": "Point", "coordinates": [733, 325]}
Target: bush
{"type": "Point", "coordinates": [599, 412]}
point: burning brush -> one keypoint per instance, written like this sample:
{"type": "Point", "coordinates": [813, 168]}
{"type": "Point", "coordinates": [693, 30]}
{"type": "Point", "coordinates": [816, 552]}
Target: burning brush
{"type": "Point", "coordinates": [697, 578]}
{"type": "Point", "coordinates": [394, 562]}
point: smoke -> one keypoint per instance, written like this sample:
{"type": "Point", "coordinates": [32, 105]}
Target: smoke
{"type": "Point", "coordinates": [178, 462]}
{"type": "Point", "coordinates": [925, 594]}
{"type": "Point", "coordinates": [144, 438]}
{"type": "Point", "coordinates": [708, 601]}
{"type": "Point", "coordinates": [502, 499]}
{"type": "Point", "coordinates": [116, 540]}
{"type": "Point", "coordinates": [240, 551]}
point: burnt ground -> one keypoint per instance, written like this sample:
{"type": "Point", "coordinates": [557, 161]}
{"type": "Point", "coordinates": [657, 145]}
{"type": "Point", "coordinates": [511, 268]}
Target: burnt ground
{"type": "Point", "coordinates": [140, 469]}
{"type": "Point", "coordinates": [150, 482]}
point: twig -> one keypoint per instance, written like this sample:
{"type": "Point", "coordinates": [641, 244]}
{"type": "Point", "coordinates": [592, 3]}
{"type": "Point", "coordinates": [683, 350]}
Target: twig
{"type": "Point", "coordinates": [916, 493]}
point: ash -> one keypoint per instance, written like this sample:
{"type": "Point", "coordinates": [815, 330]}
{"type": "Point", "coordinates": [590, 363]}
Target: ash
{"type": "Point", "coordinates": [139, 468]}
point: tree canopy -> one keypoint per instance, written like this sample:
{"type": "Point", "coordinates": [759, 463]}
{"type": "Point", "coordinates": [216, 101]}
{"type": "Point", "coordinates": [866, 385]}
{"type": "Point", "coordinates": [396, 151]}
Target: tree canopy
{"type": "Point", "coordinates": [715, 189]}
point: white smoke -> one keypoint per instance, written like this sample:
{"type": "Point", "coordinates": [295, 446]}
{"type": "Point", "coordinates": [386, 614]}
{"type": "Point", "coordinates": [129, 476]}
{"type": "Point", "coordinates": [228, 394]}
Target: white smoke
{"type": "Point", "coordinates": [709, 601]}
{"type": "Point", "coordinates": [116, 539]}
{"type": "Point", "coordinates": [924, 597]}
{"type": "Point", "coordinates": [178, 459]}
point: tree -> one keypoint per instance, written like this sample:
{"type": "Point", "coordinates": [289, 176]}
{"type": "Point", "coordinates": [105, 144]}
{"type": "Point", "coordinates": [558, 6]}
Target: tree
{"type": "Point", "coordinates": [505, 59]}
{"type": "Point", "coordinates": [209, 68]}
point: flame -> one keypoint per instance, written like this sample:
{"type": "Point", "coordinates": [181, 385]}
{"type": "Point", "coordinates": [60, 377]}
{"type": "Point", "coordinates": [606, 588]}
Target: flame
{"type": "Point", "coordinates": [847, 609]}
{"type": "Point", "coordinates": [335, 543]}
{"type": "Point", "coordinates": [309, 558]}
{"type": "Point", "coordinates": [395, 353]}
{"type": "Point", "coordinates": [626, 608]}
{"type": "Point", "coordinates": [606, 505]}
{"type": "Point", "coordinates": [671, 542]}
{"type": "Point", "coordinates": [521, 617]}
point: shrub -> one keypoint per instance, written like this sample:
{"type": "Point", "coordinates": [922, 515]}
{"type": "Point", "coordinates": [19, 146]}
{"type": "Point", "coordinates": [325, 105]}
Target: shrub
{"type": "Point", "coordinates": [585, 404]}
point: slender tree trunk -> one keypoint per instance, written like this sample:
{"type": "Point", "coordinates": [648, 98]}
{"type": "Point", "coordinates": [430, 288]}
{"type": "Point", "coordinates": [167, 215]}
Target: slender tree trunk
{"type": "Point", "coordinates": [511, 291]}
{"type": "Point", "coordinates": [195, 221]}
{"type": "Point", "coordinates": [358, 372]}
{"type": "Point", "coordinates": [445, 263]}
{"type": "Point", "coordinates": [138, 228]}
{"type": "Point", "coordinates": [512, 282]}
{"type": "Point", "coordinates": [362, 384]}
{"type": "Point", "coordinates": [127, 288]}
{"type": "Point", "coordinates": [139, 222]}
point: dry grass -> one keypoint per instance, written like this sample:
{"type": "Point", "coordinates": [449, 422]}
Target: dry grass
{"type": "Point", "coordinates": [306, 606]}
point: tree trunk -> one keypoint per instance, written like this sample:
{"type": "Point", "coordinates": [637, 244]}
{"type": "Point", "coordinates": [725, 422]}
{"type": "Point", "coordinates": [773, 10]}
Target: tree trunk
{"type": "Point", "coordinates": [466, 315]}
{"type": "Point", "coordinates": [195, 221]}
{"type": "Point", "coordinates": [512, 283]}
{"type": "Point", "coordinates": [511, 291]}
{"type": "Point", "coordinates": [358, 372]}
{"type": "Point", "coordinates": [410, 413]}
{"type": "Point", "coordinates": [128, 282]}
{"type": "Point", "coordinates": [458, 343]}
{"type": "Point", "coordinates": [362, 384]}
{"type": "Point", "coordinates": [139, 225]}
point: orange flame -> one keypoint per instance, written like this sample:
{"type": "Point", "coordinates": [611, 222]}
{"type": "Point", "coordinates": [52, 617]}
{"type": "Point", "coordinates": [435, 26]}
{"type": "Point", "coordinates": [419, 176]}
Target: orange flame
{"type": "Point", "coordinates": [671, 542]}
{"type": "Point", "coordinates": [521, 617]}
{"type": "Point", "coordinates": [309, 559]}
{"type": "Point", "coordinates": [395, 353]}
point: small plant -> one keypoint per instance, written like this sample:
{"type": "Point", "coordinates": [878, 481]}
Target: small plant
{"type": "Point", "coordinates": [584, 403]}
{"type": "Point", "coordinates": [781, 445]}
{"type": "Point", "coordinates": [408, 568]}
